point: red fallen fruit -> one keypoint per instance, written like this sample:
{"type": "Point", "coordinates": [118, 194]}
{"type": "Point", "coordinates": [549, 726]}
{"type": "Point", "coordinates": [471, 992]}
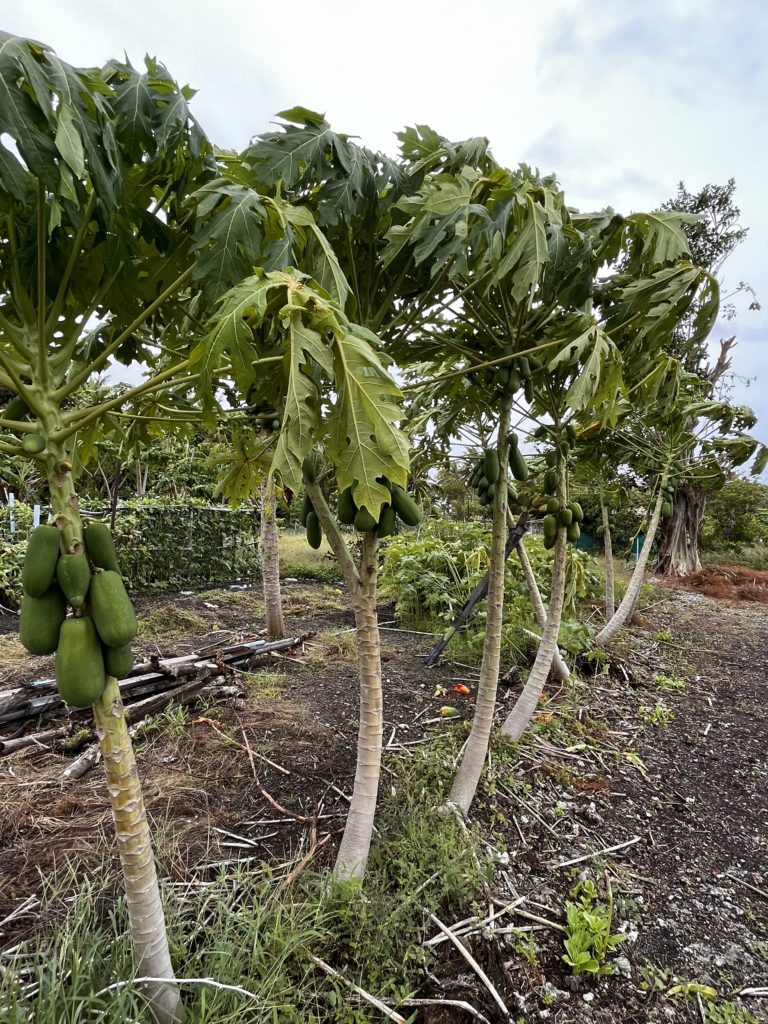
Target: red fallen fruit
{"type": "Point", "coordinates": [462, 689]}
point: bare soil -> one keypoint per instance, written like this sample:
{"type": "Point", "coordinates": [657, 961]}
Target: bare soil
{"type": "Point", "coordinates": [666, 744]}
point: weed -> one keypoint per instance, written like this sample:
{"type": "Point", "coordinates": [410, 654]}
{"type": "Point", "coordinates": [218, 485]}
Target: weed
{"type": "Point", "coordinates": [173, 720]}
{"type": "Point", "coordinates": [341, 645]}
{"type": "Point", "coordinates": [299, 561]}
{"type": "Point", "coordinates": [659, 714]}
{"type": "Point", "coordinates": [266, 685]}
{"type": "Point", "coordinates": [669, 683]}
{"type": "Point", "coordinates": [588, 931]}
{"type": "Point", "coordinates": [664, 637]}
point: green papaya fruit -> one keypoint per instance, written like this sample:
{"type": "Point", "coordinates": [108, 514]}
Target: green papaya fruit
{"type": "Point", "coordinates": [600, 532]}
{"type": "Point", "coordinates": [553, 506]}
{"type": "Point", "coordinates": [40, 621]}
{"type": "Point", "coordinates": [306, 508]}
{"type": "Point", "coordinates": [574, 531]}
{"type": "Point", "coordinates": [491, 492]}
{"type": "Point", "coordinates": [74, 576]}
{"type": "Point", "coordinates": [100, 546]}
{"type": "Point", "coordinates": [40, 560]}
{"type": "Point", "coordinates": [564, 449]}
{"type": "Point", "coordinates": [33, 443]}
{"type": "Point", "coordinates": [501, 377]}
{"type": "Point", "coordinates": [16, 410]}
{"type": "Point", "coordinates": [512, 439]}
{"type": "Point", "coordinates": [314, 530]}
{"type": "Point", "coordinates": [565, 517]}
{"type": "Point", "coordinates": [578, 511]}
{"type": "Point", "coordinates": [111, 608]}
{"type": "Point", "coordinates": [518, 465]}
{"type": "Point", "coordinates": [118, 661]}
{"type": "Point", "coordinates": [364, 520]}
{"type": "Point", "coordinates": [570, 433]}
{"type": "Point", "coordinates": [528, 390]}
{"type": "Point", "coordinates": [346, 509]}
{"type": "Point", "coordinates": [80, 676]}
{"type": "Point", "coordinates": [483, 483]}
{"type": "Point", "coordinates": [387, 522]}
{"type": "Point", "coordinates": [666, 510]}
{"type": "Point", "coordinates": [406, 507]}
{"type": "Point", "coordinates": [515, 381]}
{"type": "Point", "coordinates": [477, 473]}
{"type": "Point", "coordinates": [550, 458]}
{"type": "Point", "coordinates": [551, 481]}
{"type": "Point", "coordinates": [511, 494]}
{"type": "Point", "coordinates": [549, 542]}
{"type": "Point", "coordinates": [549, 527]}
{"type": "Point", "coordinates": [275, 424]}
{"type": "Point", "coordinates": [524, 367]}
{"type": "Point", "coordinates": [309, 470]}
{"type": "Point", "coordinates": [491, 465]}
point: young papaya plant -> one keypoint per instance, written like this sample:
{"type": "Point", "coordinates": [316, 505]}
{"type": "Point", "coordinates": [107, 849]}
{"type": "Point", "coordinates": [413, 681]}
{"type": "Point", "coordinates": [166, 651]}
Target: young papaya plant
{"type": "Point", "coordinates": [328, 379]}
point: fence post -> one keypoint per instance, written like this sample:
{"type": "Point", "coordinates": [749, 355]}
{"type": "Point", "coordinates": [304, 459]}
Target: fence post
{"type": "Point", "coordinates": [36, 516]}
{"type": "Point", "coordinates": [11, 500]}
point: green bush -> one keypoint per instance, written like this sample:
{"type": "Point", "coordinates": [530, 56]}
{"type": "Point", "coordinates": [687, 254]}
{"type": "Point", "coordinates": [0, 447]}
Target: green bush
{"type": "Point", "coordinates": [431, 572]}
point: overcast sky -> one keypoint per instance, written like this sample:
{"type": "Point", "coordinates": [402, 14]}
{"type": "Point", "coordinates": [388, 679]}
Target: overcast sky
{"type": "Point", "coordinates": [622, 100]}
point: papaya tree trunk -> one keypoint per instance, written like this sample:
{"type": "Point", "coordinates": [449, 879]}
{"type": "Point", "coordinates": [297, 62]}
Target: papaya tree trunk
{"type": "Point", "coordinates": [517, 720]}
{"type": "Point", "coordinates": [471, 766]}
{"type": "Point", "coordinates": [361, 580]}
{"type": "Point", "coordinates": [610, 586]}
{"type": "Point", "coordinates": [142, 892]}
{"type": "Point", "coordinates": [145, 911]}
{"type": "Point", "coordinates": [559, 666]}
{"type": "Point", "coordinates": [679, 536]}
{"type": "Point", "coordinates": [270, 562]}
{"type": "Point", "coordinates": [626, 609]}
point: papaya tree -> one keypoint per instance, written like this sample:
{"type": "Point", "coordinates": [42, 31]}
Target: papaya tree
{"type": "Point", "coordinates": [552, 303]}
{"type": "Point", "coordinates": [117, 233]}
{"type": "Point", "coordinates": [294, 345]}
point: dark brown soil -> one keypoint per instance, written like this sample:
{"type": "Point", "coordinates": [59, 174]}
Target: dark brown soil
{"type": "Point", "coordinates": [605, 763]}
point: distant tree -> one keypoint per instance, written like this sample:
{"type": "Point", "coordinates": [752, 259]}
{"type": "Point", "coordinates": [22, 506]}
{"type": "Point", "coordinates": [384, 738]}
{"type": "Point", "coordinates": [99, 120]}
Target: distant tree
{"type": "Point", "coordinates": [733, 515]}
{"type": "Point", "coordinates": [711, 240]}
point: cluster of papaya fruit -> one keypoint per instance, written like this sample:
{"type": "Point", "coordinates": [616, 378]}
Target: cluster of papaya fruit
{"type": "Point", "coordinates": [559, 514]}
{"type": "Point", "coordinates": [668, 490]}
{"type": "Point", "coordinates": [513, 376]}
{"type": "Point", "coordinates": [95, 641]}
{"type": "Point", "coordinates": [401, 505]}
{"type": "Point", "coordinates": [600, 531]}
{"type": "Point", "coordinates": [485, 478]}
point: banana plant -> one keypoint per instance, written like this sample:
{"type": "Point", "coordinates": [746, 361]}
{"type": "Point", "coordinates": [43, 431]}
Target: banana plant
{"type": "Point", "coordinates": [288, 341]}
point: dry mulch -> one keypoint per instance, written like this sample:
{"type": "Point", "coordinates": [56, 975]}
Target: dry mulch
{"type": "Point", "coordinates": [725, 582]}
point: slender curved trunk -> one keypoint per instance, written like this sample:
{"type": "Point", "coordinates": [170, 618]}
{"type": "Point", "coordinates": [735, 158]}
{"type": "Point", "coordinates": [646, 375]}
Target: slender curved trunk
{"type": "Point", "coordinates": [470, 769]}
{"type": "Point", "coordinates": [517, 720]}
{"type": "Point", "coordinates": [145, 911]}
{"type": "Point", "coordinates": [352, 858]}
{"type": "Point", "coordinates": [679, 537]}
{"type": "Point", "coordinates": [559, 666]}
{"type": "Point", "coordinates": [270, 562]}
{"type": "Point", "coordinates": [610, 587]}
{"type": "Point", "coordinates": [625, 610]}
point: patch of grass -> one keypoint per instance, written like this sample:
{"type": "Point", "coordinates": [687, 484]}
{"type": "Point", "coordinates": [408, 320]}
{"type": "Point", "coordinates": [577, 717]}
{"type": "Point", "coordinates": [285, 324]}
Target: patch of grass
{"type": "Point", "coordinates": [267, 685]}
{"type": "Point", "coordinates": [341, 645]}
{"type": "Point", "coordinates": [242, 929]}
{"type": "Point", "coordinates": [249, 602]}
{"type": "Point", "coordinates": [299, 560]}
{"type": "Point", "coordinates": [168, 623]}
{"type": "Point", "coordinates": [173, 720]}
{"type": "Point", "coordinates": [12, 652]}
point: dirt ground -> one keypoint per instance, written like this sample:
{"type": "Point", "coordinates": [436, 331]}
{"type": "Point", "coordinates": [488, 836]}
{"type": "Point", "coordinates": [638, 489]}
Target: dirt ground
{"type": "Point", "coordinates": [661, 750]}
